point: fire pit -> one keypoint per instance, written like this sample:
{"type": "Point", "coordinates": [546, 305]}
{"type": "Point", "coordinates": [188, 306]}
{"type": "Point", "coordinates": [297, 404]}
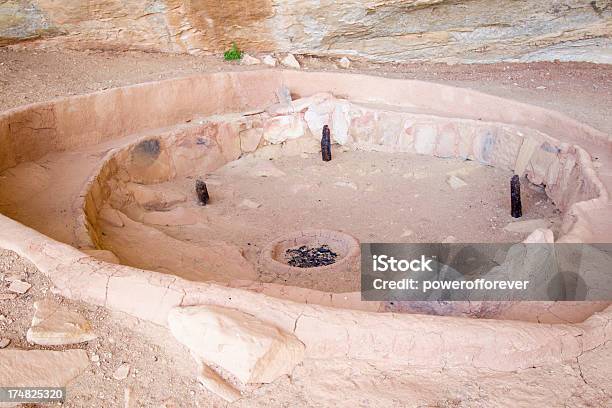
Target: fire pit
{"type": "Point", "coordinates": [310, 257]}
{"type": "Point", "coordinates": [320, 259]}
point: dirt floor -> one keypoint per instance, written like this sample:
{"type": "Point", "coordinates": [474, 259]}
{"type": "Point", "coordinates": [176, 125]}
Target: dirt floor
{"type": "Point", "coordinates": [163, 373]}
{"type": "Point", "coordinates": [374, 196]}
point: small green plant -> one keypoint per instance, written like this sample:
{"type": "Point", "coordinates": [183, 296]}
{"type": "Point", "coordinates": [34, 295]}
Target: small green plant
{"type": "Point", "coordinates": [232, 54]}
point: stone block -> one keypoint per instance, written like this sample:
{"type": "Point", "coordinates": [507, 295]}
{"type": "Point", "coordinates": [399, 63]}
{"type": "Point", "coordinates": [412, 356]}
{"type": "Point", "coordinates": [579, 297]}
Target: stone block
{"type": "Point", "coordinates": [248, 348]}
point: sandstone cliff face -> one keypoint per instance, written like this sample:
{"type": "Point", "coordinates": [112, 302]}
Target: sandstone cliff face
{"type": "Point", "coordinates": [383, 30]}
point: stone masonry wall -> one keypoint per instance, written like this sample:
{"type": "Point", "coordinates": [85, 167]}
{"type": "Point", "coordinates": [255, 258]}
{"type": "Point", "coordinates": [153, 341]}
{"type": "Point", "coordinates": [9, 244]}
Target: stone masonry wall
{"type": "Point", "coordinates": [384, 30]}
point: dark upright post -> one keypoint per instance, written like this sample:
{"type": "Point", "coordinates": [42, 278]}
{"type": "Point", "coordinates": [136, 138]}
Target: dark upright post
{"type": "Point", "coordinates": [202, 192]}
{"type": "Point", "coordinates": [515, 197]}
{"type": "Point", "coordinates": [326, 144]}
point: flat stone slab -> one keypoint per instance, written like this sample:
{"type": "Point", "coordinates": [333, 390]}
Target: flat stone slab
{"type": "Point", "coordinates": [122, 372]}
{"type": "Point", "coordinates": [53, 325]}
{"type": "Point", "coordinates": [18, 286]}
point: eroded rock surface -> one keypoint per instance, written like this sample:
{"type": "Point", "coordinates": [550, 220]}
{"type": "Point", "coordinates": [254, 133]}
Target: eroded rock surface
{"type": "Point", "coordinates": [434, 30]}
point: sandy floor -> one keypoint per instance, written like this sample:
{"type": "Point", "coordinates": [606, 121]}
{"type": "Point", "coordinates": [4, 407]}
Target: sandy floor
{"type": "Point", "coordinates": [374, 196]}
{"type": "Point", "coordinates": [24, 192]}
{"type": "Point", "coordinates": [165, 376]}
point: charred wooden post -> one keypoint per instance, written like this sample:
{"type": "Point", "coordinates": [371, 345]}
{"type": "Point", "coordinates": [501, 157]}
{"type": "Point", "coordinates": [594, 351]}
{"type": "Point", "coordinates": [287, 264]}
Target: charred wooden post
{"type": "Point", "coordinates": [326, 144]}
{"type": "Point", "coordinates": [515, 197]}
{"type": "Point", "coordinates": [202, 192]}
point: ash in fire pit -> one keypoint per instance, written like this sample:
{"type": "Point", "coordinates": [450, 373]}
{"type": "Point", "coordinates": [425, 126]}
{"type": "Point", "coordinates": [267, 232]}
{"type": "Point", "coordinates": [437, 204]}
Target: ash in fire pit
{"type": "Point", "coordinates": [307, 257]}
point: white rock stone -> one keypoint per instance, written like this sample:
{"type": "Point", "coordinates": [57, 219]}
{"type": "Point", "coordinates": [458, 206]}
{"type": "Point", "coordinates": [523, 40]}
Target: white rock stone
{"type": "Point", "coordinates": [45, 368]}
{"type": "Point", "coordinates": [301, 104]}
{"type": "Point", "coordinates": [279, 109]}
{"type": "Point", "coordinates": [528, 148]}
{"type": "Point", "coordinates": [4, 343]}
{"type": "Point", "coordinates": [540, 236]}
{"type": "Point", "coordinates": [455, 182]}
{"type": "Point", "coordinates": [248, 60]}
{"type": "Point", "coordinates": [250, 204]}
{"type": "Point", "coordinates": [344, 62]}
{"type": "Point", "coordinates": [298, 105]}
{"type": "Point", "coordinates": [527, 226]}
{"type": "Point", "coordinates": [319, 114]}
{"type": "Point", "coordinates": [18, 286]}
{"type": "Point", "coordinates": [214, 383]}
{"type": "Point", "coordinates": [315, 121]}
{"type": "Point", "coordinates": [283, 94]}
{"type": "Point", "coordinates": [246, 347]}
{"type": "Point", "coordinates": [340, 122]}
{"type": "Point", "coordinates": [53, 325]}
{"type": "Point", "coordinates": [290, 61]}
{"type": "Point", "coordinates": [425, 139]}
{"type": "Point", "coordinates": [122, 372]}
{"type": "Point", "coordinates": [269, 60]}
{"type": "Point", "coordinates": [281, 128]}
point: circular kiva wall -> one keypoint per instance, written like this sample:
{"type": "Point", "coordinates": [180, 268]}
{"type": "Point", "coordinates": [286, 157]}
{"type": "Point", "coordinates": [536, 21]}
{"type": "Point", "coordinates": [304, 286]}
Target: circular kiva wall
{"type": "Point", "coordinates": [367, 113]}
